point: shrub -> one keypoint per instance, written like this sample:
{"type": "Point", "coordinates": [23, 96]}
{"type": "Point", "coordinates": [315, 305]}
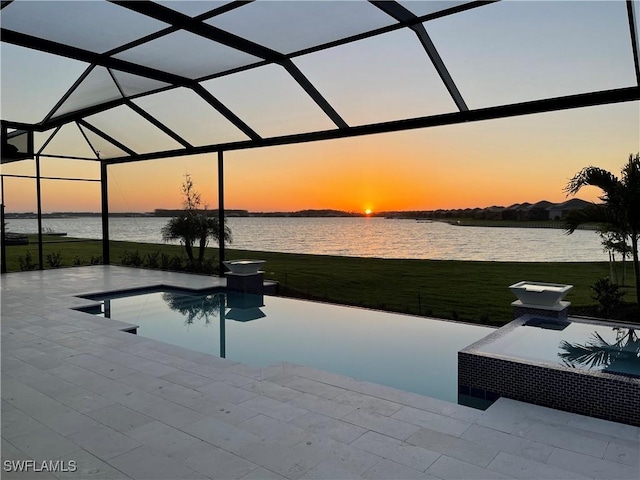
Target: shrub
{"type": "Point", "coordinates": [165, 261]}
{"type": "Point", "coordinates": [77, 261]}
{"type": "Point", "coordinates": [175, 263]}
{"type": "Point", "coordinates": [95, 259]}
{"type": "Point", "coordinates": [26, 262]}
{"type": "Point", "coordinates": [607, 294]}
{"type": "Point", "coordinates": [131, 258]}
{"type": "Point", "coordinates": [54, 260]}
{"type": "Point", "coordinates": [151, 260]}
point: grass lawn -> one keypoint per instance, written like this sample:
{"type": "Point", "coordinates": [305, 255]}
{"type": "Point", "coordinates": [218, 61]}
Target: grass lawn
{"type": "Point", "coordinates": [470, 291]}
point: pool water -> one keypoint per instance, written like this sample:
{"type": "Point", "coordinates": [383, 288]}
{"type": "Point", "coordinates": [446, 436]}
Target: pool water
{"type": "Point", "coordinates": [587, 346]}
{"type": "Point", "coordinates": [415, 354]}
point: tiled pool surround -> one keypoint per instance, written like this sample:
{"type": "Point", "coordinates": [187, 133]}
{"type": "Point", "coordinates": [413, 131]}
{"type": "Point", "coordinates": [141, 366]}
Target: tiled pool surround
{"type": "Point", "coordinates": [599, 394]}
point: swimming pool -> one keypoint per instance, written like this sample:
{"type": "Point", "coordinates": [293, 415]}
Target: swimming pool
{"type": "Point", "coordinates": [415, 354]}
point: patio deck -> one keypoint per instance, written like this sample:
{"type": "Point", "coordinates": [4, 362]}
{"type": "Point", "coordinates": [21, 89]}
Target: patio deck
{"type": "Point", "coordinates": [76, 388]}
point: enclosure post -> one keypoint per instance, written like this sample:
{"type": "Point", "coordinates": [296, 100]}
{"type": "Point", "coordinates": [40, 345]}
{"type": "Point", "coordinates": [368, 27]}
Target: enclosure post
{"type": "Point", "coordinates": [3, 249]}
{"type": "Point", "coordinates": [39, 200]}
{"type": "Point", "coordinates": [104, 191]}
{"type": "Point", "coordinates": [221, 211]}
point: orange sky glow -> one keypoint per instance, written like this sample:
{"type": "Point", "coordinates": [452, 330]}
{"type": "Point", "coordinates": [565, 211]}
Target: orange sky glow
{"type": "Point", "coordinates": [497, 162]}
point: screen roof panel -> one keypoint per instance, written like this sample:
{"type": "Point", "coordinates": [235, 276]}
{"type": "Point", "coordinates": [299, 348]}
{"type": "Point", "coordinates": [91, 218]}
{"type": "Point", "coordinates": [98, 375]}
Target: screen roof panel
{"type": "Point", "coordinates": [291, 26]}
{"type": "Point", "coordinates": [287, 72]}
{"type": "Point", "coordinates": [69, 141]}
{"type": "Point", "coordinates": [132, 130]}
{"type": "Point", "coordinates": [378, 79]}
{"type": "Point", "coordinates": [187, 54]}
{"type": "Point", "coordinates": [193, 8]}
{"type": "Point", "coordinates": [521, 51]}
{"type": "Point", "coordinates": [270, 101]}
{"type": "Point", "coordinates": [98, 87]}
{"type": "Point", "coordinates": [420, 8]}
{"type": "Point", "coordinates": [187, 114]}
{"type": "Point", "coordinates": [27, 93]}
{"type": "Point", "coordinates": [90, 25]}
{"type": "Point", "coordinates": [104, 148]}
{"type": "Point", "coordinates": [135, 84]}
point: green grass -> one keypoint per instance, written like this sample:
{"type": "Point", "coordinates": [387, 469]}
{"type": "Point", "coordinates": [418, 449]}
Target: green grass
{"type": "Point", "coordinates": [469, 291]}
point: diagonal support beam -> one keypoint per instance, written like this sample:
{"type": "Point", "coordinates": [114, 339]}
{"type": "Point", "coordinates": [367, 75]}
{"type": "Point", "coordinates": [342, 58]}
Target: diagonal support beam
{"type": "Point", "coordinates": [403, 15]}
{"type": "Point", "coordinates": [313, 92]}
{"type": "Point", "coordinates": [150, 118]}
{"type": "Point", "coordinates": [108, 138]}
{"type": "Point", "coordinates": [634, 38]}
{"type": "Point", "coordinates": [228, 114]}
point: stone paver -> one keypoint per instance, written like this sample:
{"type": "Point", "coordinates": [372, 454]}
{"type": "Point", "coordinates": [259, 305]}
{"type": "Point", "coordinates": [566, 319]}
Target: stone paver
{"type": "Point", "coordinates": [77, 388]}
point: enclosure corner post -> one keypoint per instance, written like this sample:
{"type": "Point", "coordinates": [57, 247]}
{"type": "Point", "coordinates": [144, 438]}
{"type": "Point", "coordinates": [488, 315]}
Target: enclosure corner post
{"type": "Point", "coordinates": [39, 200]}
{"type": "Point", "coordinates": [104, 191]}
{"type": "Point", "coordinates": [3, 249]}
{"type": "Point", "coordinates": [221, 211]}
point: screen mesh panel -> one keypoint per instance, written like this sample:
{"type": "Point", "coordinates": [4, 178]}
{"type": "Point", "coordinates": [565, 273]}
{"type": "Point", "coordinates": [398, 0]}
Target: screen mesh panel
{"type": "Point", "coordinates": [271, 89]}
{"type": "Point", "coordinates": [135, 84]}
{"type": "Point", "coordinates": [132, 130]}
{"type": "Point", "coordinates": [188, 55]}
{"type": "Point", "coordinates": [291, 26]}
{"type": "Point", "coordinates": [33, 82]}
{"type": "Point", "coordinates": [520, 51]}
{"type": "Point", "coordinates": [378, 79]}
{"type": "Point", "coordinates": [187, 114]}
{"type": "Point", "coordinates": [69, 142]}
{"type": "Point", "coordinates": [90, 25]}
{"type": "Point", "coordinates": [98, 87]}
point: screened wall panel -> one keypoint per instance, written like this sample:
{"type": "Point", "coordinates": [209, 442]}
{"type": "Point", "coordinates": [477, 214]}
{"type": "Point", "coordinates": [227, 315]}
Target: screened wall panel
{"type": "Point", "coordinates": [520, 51]}
{"type": "Point", "coordinates": [90, 25]}
{"type": "Point", "coordinates": [187, 114]}
{"type": "Point", "coordinates": [186, 54]}
{"type": "Point", "coordinates": [378, 79]}
{"type": "Point", "coordinates": [270, 101]}
{"type": "Point", "coordinates": [132, 130]}
{"type": "Point", "coordinates": [291, 26]}
{"type": "Point", "coordinates": [45, 77]}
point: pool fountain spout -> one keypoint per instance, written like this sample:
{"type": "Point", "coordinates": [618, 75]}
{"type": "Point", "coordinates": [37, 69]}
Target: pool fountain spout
{"type": "Point", "coordinates": [540, 298]}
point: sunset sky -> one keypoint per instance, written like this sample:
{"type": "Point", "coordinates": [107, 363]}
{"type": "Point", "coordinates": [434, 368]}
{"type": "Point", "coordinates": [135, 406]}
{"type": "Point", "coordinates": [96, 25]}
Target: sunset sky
{"type": "Point", "coordinates": [501, 57]}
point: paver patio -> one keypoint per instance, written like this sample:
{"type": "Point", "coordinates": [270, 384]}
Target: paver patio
{"type": "Point", "coordinates": [77, 388]}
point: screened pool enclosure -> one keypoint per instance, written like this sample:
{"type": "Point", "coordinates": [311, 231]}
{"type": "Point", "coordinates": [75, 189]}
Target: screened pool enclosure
{"type": "Point", "coordinates": [123, 81]}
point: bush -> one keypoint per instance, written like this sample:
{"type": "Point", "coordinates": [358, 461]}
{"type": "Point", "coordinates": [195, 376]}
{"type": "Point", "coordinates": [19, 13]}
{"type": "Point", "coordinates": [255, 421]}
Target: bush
{"type": "Point", "coordinates": [175, 263]}
{"type": "Point", "coordinates": [77, 261]}
{"type": "Point", "coordinates": [26, 262]}
{"type": "Point", "coordinates": [95, 260]}
{"type": "Point", "coordinates": [151, 260]}
{"type": "Point", "coordinates": [131, 258]}
{"type": "Point", "coordinates": [54, 260]}
{"type": "Point", "coordinates": [607, 294]}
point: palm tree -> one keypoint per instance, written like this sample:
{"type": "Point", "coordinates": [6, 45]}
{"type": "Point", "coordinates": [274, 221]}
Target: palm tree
{"type": "Point", "coordinates": [620, 208]}
{"type": "Point", "coordinates": [194, 226]}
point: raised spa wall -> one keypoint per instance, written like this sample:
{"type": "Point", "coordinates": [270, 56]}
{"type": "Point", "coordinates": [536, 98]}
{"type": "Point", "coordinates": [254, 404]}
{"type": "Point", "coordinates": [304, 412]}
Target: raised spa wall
{"type": "Point", "coordinates": [489, 376]}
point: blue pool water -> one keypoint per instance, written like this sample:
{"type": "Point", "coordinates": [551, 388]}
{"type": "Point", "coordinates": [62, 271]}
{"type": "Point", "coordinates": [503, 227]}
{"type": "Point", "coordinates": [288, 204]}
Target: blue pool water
{"type": "Point", "coordinates": [586, 346]}
{"type": "Point", "coordinates": [410, 353]}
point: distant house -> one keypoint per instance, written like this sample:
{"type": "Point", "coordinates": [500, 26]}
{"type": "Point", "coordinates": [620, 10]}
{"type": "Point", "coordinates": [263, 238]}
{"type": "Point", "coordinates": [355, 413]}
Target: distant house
{"type": "Point", "coordinates": [539, 211]}
{"type": "Point", "coordinates": [560, 210]}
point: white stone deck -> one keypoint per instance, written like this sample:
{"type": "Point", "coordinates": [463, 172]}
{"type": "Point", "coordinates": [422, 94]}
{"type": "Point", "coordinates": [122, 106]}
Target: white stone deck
{"type": "Point", "coordinates": [76, 388]}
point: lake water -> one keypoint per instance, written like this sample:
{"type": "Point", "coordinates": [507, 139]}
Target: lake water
{"type": "Point", "coordinates": [360, 237]}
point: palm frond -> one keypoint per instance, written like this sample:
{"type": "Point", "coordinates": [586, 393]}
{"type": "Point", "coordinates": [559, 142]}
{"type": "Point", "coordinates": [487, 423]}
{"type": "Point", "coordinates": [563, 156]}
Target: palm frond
{"type": "Point", "coordinates": [596, 177]}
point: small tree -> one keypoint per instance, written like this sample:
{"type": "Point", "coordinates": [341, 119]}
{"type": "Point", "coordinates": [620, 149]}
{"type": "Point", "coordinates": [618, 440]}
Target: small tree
{"type": "Point", "coordinates": [194, 226]}
{"type": "Point", "coordinates": [620, 208]}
